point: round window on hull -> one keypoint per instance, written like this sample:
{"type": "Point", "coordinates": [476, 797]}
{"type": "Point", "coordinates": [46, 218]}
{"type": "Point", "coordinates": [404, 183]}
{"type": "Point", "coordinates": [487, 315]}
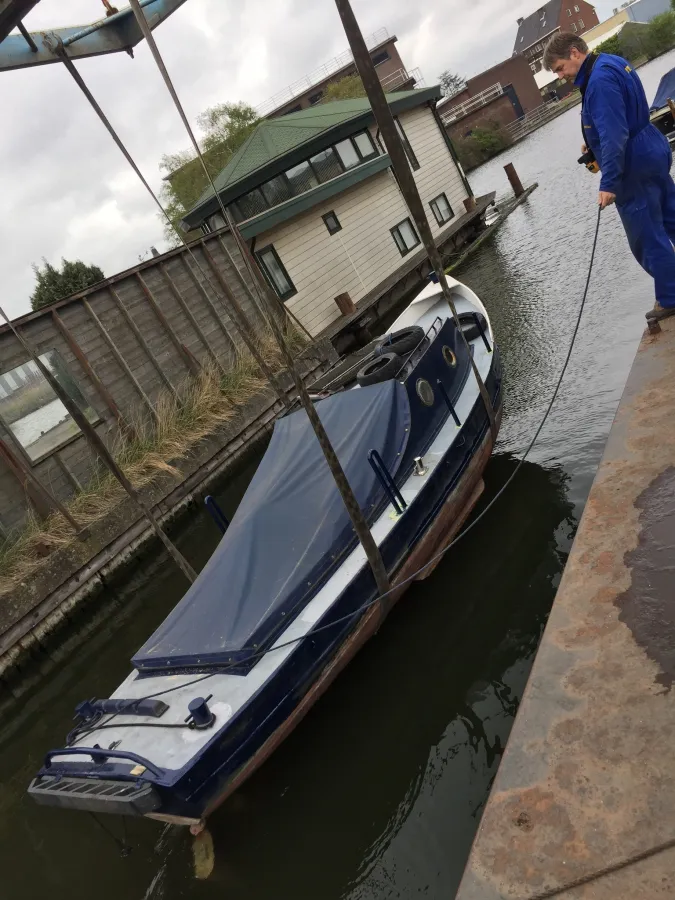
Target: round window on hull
{"type": "Point", "coordinates": [425, 392]}
{"type": "Point", "coordinates": [449, 357]}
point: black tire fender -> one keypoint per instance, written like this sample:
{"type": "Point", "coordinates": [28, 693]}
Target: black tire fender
{"type": "Point", "coordinates": [470, 329]}
{"type": "Point", "coordinates": [403, 341]}
{"type": "Point", "coordinates": [381, 368]}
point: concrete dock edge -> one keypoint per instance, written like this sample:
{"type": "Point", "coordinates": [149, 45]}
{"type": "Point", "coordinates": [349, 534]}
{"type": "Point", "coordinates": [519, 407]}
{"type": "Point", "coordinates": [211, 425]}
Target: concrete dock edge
{"type": "Point", "coordinates": [583, 805]}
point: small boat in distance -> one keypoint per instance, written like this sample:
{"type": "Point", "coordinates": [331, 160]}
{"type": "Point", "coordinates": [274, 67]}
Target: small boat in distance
{"type": "Point", "coordinates": [661, 113]}
{"type": "Point", "coordinates": [288, 598]}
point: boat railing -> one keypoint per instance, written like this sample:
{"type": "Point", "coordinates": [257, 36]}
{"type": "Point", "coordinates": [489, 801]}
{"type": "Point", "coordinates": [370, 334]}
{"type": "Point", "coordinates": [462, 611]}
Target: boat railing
{"type": "Point", "coordinates": [100, 754]}
{"type": "Point", "coordinates": [383, 475]}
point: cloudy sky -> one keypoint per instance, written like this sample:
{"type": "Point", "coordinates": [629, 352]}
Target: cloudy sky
{"type": "Point", "coordinates": [66, 190]}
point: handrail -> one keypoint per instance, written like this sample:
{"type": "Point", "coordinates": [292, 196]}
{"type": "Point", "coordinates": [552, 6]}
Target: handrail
{"type": "Point", "coordinates": [104, 754]}
{"type": "Point", "coordinates": [384, 477]}
{"type": "Point", "coordinates": [318, 75]}
{"type": "Point", "coordinates": [472, 104]}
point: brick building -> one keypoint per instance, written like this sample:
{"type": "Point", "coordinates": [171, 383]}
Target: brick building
{"type": "Point", "coordinates": [576, 16]}
{"type": "Point", "coordinates": [309, 90]}
{"type": "Point", "coordinates": [498, 96]}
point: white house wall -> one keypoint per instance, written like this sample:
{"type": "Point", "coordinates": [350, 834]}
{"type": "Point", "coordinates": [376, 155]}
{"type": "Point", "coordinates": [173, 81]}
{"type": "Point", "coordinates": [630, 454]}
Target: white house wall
{"type": "Point", "coordinates": [363, 254]}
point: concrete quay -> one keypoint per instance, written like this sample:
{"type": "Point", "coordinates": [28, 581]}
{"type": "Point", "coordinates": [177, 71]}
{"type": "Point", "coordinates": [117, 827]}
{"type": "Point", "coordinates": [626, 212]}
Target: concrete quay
{"type": "Point", "coordinates": [583, 806]}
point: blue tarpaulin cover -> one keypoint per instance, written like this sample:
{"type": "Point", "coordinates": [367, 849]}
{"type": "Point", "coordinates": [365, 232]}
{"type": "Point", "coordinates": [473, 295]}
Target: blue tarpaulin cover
{"type": "Point", "coordinates": [290, 532]}
{"type": "Point", "coordinates": [666, 91]}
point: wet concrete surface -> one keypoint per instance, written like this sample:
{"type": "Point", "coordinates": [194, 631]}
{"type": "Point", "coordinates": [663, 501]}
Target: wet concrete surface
{"type": "Point", "coordinates": [587, 784]}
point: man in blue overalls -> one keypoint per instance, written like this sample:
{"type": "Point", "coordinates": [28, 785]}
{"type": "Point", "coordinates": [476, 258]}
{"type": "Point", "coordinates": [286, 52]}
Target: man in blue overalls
{"type": "Point", "coordinates": [633, 156]}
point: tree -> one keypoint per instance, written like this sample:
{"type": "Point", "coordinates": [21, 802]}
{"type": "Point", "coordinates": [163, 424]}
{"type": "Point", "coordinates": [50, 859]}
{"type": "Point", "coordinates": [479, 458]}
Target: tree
{"type": "Point", "coordinates": [612, 45]}
{"type": "Point", "coordinates": [660, 34]}
{"type": "Point", "coordinates": [451, 84]}
{"type": "Point", "coordinates": [348, 88]}
{"type": "Point", "coordinates": [226, 126]}
{"type": "Point", "coordinates": [53, 284]}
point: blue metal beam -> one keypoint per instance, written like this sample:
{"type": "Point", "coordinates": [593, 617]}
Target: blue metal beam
{"type": "Point", "coordinates": [109, 35]}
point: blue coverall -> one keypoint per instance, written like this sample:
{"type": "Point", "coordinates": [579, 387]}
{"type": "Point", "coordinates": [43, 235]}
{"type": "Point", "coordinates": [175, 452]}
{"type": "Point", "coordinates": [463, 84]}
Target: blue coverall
{"type": "Point", "coordinates": [635, 160]}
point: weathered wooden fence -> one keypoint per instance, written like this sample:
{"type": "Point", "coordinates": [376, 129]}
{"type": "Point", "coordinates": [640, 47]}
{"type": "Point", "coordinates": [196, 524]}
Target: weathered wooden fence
{"type": "Point", "coordinates": [120, 344]}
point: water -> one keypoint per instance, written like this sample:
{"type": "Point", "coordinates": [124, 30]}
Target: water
{"type": "Point", "coordinates": [379, 792]}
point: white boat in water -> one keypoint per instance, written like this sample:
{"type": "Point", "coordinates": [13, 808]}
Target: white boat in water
{"type": "Point", "coordinates": [288, 598]}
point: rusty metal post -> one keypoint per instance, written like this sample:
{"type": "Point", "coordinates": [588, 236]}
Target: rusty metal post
{"type": "Point", "coordinates": [81, 357]}
{"type": "Point", "coordinates": [404, 176]}
{"type": "Point", "coordinates": [98, 445]}
{"type": "Point", "coordinates": [41, 497]}
{"type": "Point", "coordinates": [171, 284]}
{"type": "Point", "coordinates": [166, 325]}
{"type": "Point", "coordinates": [514, 180]}
{"type": "Point", "coordinates": [121, 361]}
{"type": "Point", "coordinates": [141, 340]}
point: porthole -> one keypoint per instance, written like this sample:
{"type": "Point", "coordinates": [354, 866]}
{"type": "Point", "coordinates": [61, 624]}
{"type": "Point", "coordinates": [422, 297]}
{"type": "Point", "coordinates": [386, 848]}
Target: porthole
{"type": "Point", "coordinates": [425, 392]}
{"type": "Point", "coordinates": [449, 357]}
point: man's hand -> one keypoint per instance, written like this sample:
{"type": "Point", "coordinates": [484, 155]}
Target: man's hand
{"type": "Point", "coordinates": [584, 148]}
{"type": "Point", "coordinates": [605, 199]}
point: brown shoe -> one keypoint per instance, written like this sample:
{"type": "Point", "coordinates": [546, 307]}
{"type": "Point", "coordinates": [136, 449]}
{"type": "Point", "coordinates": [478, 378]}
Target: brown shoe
{"type": "Point", "coordinates": [660, 312]}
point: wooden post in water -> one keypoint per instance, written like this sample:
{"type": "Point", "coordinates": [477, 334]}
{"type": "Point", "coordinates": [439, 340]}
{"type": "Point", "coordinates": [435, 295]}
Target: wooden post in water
{"type": "Point", "coordinates": [514, 180]}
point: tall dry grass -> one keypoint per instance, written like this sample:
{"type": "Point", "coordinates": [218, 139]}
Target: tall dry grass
{"type": "Point", "coordinates": [205, 403]}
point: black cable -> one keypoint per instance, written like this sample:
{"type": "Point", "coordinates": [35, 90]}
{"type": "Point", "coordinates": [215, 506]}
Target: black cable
{"type": "Point", "coordinates": [255, 656]}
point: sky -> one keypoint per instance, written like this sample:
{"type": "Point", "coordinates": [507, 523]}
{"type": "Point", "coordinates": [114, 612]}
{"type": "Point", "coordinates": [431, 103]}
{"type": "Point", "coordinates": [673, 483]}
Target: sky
{"type": "Point", "coordinates": [67, 191]}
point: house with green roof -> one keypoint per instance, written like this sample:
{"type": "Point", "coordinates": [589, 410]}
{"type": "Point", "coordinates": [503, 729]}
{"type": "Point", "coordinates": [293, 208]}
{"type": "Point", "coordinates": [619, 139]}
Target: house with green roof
{"type": "Point", "coordinates": [314, 195]}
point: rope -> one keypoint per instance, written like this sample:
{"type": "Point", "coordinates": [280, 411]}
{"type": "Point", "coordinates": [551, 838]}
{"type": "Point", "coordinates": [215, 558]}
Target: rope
{"type": "Point", "coordinates": [366, 606]}
{"type": "Point", "coordinates": [608, 870]}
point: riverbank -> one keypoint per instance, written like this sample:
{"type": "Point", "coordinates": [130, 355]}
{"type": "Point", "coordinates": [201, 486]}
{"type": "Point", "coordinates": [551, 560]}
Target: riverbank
{"type": "Point", "coordinates": [585, 792]}
{"type": "Point", "coordinates": [39, 597]}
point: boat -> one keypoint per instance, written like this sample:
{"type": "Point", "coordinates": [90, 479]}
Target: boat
{"type": "Point", "coordinates": [661, 110]}
{"type": "Point", "coordinates": [288, 598]}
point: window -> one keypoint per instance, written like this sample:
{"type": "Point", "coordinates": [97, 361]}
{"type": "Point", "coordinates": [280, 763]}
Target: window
{"type": "Point", "coordinates": [332, 222]}
{"type": "Point", "coordinates": [326, 165]}
{"type": "Point", "coordinates": [412, 159]}
{"type": "Point", "coordinates": [275, 273]}
{"type": "Point", "coordinates": [380, 57]}
{"type": "Point", "coordinates": [252, 204]}
{"type": "Point", "coordinates": [364, 145]}
{"type": "Point", "coordinates": [569, 12]}
{"type": "Point", "coordinates": [297, 108]}
{"type": "Point", "coordinates": [301, 178]}
{"type": "Point", "coordinates": [581, 24]}
{"type": "Point", "coordinates": [574, 26]}
{"type": "Point", "coordinates": [441, 209]}
{"type": "Point", "coordinates": [356, 150]}
{"type": "Point", "coordinates": [347, 153]}
{"type": "Point", "coordinates": [276, 190]}
{"type": "Point", "coordinates": [315, 98]}
{"type": "Point", "coordinates": [405, 236]}
{"type": "Point", "coordinates": [32, 412]}
{"type": "Point", "coordinates": [576, 9]}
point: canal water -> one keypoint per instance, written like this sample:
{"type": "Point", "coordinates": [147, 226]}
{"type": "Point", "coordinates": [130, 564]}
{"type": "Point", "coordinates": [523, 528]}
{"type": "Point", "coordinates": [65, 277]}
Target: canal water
{"type": "Point", "coordinates": [379, 792]}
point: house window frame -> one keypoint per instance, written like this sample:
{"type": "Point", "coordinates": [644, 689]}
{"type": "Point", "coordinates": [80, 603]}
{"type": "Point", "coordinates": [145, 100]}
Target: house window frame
{"type": "Point", "coordinates": [439, 220]}
{"type": "Point", "coordinates": [385, 57]}
{"type": "Point", "coordinates": [581, 24]}
{"type": "Point", "coordinates": [327, 216]}
{"type": "Point", "coordinates": [574, 27]}
{"type": "Point", "coordinates": [270, 248]}
{"type": "Point", "coordinates": [395, 229]}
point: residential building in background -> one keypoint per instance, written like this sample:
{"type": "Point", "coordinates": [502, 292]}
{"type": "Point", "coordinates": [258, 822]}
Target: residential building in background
{"type": "Point", "coordinates": [314, 196]}
{"type": "Point", "coordinates": [309, 91]}
{"type": "Point", "coordinates": [645, 10]}
{"type": "Point", "coordinates": [498, 96]}
{"type": "Point", "coordinates": [575, 16]}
